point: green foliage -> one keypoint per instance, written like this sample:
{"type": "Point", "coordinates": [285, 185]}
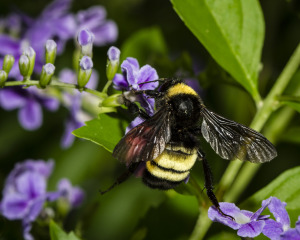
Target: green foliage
{"type": "Point", "coordinates": [56, 233]}
{"type": "Point", "coordinates": [286, 187]}
{"type": "Point", "coordinates": [144, 44]}
{"type": "Point", "coordinates": [105, 131]}
{"type": "Point", "coordinates": [293, 105]}
{"type": "Point", "coordinates": [232, 31]}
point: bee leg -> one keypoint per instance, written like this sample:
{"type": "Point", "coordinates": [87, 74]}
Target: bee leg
{"type": "Point", "coordinates": [122, 178]}
{"type": "Point", "coordinates": [209, 184]}
{"type": "Point", "coordinates": [149, 93]}
{"type": "Point", "coordinates": [133, 108]}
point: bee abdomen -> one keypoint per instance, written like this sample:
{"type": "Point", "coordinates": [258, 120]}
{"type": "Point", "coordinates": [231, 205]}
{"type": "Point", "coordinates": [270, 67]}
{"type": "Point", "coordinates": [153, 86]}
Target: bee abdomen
{"type": "Point", "coordinates": [169, 169]}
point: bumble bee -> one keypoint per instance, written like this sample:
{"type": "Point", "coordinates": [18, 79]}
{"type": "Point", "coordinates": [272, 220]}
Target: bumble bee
{"type": "Point", "coordinates": [166, 145]}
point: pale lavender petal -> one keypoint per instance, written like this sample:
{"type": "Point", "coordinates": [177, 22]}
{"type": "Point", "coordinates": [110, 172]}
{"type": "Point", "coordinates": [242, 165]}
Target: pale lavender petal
{"type": "Point", "coordinates": [229, 209]}
{"type": "Point", "coordinates": [14, 206]}
{"type": "Point", "coordinates": [53, 196]}
{"type": "Point", "coordinates": [120, 82]}
{"type": "Point", "coordinates": [277, 208]}
{"type": "Point", "coordinates": [65, 27]}
{"type": "Point", "coordinates": [41, 167]}
{"type": "Point", "coordinates": [74, 195]}
{"type": "Point", "coordinates": [51, 104]}
{"type": "Point", "coordinates": [26, 230]}
{"type": "Point", "coordinates": [113, 53]}
{"type": "Point", "coordinates": [93, 82]}
{"type": "Point", "coordinates": [272, 229]}
{"type": "Point", "coordinates": [133, 62]}
{"type": "Point", "coordinates": [85, 37]}
{"type": "Point", "coordinates": [67, 75]}
{"type": "Point", "coordinates": [68, 138]}
{"type": "Point", "coordinates": [264, 205]}
{"type": "Point", "coordinates": [130, 70]}
{"type": "Point", "coordinates": [251, 229]}
{"type": "Point", "coordinates": [134, 123]}
{"type": "Point", "coordinates": [11, 99]}
{"type": "Point", "coordinates": [105, 33]}
{"type": "Point", "coordinates": [56, 8]}
{"type": "Point", "coordinates": [291, 234]}
{"type": "Point", "coordinates": [146, 74]}
{"type": "Point", "coordinates": [36, 207]}
{"type": "Point", "coordinates": [91, 17]}
{"type": "Point", "coordinates": [30, 116]}
{"type": "Point", "coordinates": [31, 184]}
{"type": "Point", "coordinates": [86, 63]}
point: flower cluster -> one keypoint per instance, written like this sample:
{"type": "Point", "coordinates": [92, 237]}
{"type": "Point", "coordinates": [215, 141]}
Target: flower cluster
{"type": "Point", "coordinates": [251, 224]}
{"type": "Point", "coordinates": [25, 193]}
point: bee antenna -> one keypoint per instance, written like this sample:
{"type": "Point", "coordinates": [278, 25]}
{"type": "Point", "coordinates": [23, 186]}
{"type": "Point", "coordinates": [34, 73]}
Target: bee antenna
{"type": "Point", "coordinates": [157, 80]}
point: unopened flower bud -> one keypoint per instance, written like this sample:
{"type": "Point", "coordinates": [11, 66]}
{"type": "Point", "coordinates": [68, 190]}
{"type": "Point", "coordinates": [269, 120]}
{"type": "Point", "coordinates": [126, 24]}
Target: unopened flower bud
{"type": "Point", "coordinates": [3, 77]}
{"type": "Point", "coordinates": [50, 48]}
{"type": "Point", "coordinates": [47, 73]}
{"type": "Point", "coordinates": [85, 39]}
{"type": "Point", "coordinates": [30, 53]}
{"type": "Point", "coordinates": [8, 63]}
{"type": "Point", "coordinates": [112, 62]}
{"type": "Point", "coordinates": [85, 71]}
{"type": "Point", "coordinates": [24, 65]}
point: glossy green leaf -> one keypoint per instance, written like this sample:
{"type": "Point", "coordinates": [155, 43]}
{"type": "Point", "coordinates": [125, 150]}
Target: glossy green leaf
{"type": "Point", "coordinates": [293, 105]}
{"type": "Point", "coordinates": [105, 131]}
{"type": "Point", "coordinates": [56, 233]}
{"type": "Point", "coordinates": [232, 31]}
{"type": "Point", "coordinates": [286, 187]}
{"type": "Point", "coordinates": [144, 44]}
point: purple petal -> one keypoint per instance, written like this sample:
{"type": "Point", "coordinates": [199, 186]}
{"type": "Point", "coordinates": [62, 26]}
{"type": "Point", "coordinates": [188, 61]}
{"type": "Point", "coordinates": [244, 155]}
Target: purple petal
{"type": "Point", "coordinates": [146, 74]}
{"type": "Point", "coordinates": [291, 234]}
{"type": "Point", "coordinates": [113, 53]}
{"type": "Point", "coordinates": [68, 138]}
{"type": "Point", "coordinates": [272, 229]}
{"type": "Point", "coordinates": [64, 27]}
{"type": "Point", "coordinates": [251, 229]}
{"type": "Point", "coordinates": [134, 123]}
{"type": "Point", "coordinates": [147, 104]}
{"type": "Point", "coordinates": [51, 104]}
{"type": "Point", "coordinates": [31, 184]}
{"type": "Point", "coordinates": [120, 82]}
{"type": "Point", "coordinates": [67, 75]}
{"type": "Point", "coordinates": [278, 209]}
{"type": "Point", "coordinates": [14, 206]}
{"type": "Point", "coordinates": [85, 37]}
{"type": "Point", "coordinates": [9, 45]}
{"type": "Point", "coordinates": [26, 230]}
{"type": "Point", "coordinates": [86, 63]}
{"type": "Point", "coordinates": [74, 194]}
{"type": "Point", "coordinates": [264, 204]}
{"type": "Point", "coordinates": [91, 17]}
{"type": "Point", "coordinates": [56, 8]}
{"type": "Point", "coordinates": [229, 209]}
{"type": "Point", "coordinates": [130, 70]}
{"type": "Point", "coordinates": [298, 224]}
{"type": "Point", "coordinates": [36, 207]}
{"type": "Point", "coordinates": [105, 33]}
{"type": "Point", "coordinates": [30, 116]}
{"type": "Point", "coordinates": [11, 99]}
{"type": "Point", "coordinates": [41, 167]}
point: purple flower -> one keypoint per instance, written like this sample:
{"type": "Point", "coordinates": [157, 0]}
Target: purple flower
{"type": "Point", "coordinates": [74, 195]}
{"type": "Point", "coordinates": [29, 102]}
{"type": "Point", "coordinates": [72, 101]}
{"type": "Point", "coordinates": [247, 223]}
{"type": "Point", "coordinates": [134, 77]}
{"type": "Point", "coordinates": [113, 54]}
{"type": "Point", "coordinates": [94, 19]}
{"type": "Point", "coordinates": [293, 233]}
{"type": "Point", "coordinates": [86, 63]}
{"type": "Point", "coordinates": [24, 193]}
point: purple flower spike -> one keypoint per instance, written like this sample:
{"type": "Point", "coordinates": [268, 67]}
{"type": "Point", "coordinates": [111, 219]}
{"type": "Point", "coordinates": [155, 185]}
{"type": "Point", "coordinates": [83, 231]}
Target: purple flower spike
{"type": "Point", "coordinates": [113, 54]}
{"type": "Point", "coordinates": [85, 37]}
{"type": "Point", "coordinates": [74, 195]}
{"type": "Point", "coordinates": [247, 223]}
{"type": "Point", "coordinates": [86, 63]}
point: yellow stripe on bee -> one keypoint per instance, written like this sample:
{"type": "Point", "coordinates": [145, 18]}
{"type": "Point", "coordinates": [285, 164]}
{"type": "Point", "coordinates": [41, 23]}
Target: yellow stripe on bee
{"type": "Point", "coordinates": [177, 162]}
{"type": "Point", "coordinates": [180, 88]}
{"type": "Point", "coordinates": [161, 174]}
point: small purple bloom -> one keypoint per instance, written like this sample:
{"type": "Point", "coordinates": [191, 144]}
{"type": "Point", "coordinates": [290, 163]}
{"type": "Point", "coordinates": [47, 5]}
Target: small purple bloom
{"type": "Point", "coordinates": [135, 78]}
{"type": "Point", "coordinates": [85, 37]}
{"type": "Point", "coordinates": [50, 45]}
{"type": "Point", "coordinates": [94, 19]}
{"type": "Point", "coordinates": [247, 223]}
{"type": "Point", "coordinates": [49, 68]}
{"type": "Point", "coordinates": [74, 195]}
{"type": "Point", "coordinates": [113, 54]}
{"type": "Point", "coordinates": [24, 193]}
{"type": "Point", "coordinates": [86, 63]}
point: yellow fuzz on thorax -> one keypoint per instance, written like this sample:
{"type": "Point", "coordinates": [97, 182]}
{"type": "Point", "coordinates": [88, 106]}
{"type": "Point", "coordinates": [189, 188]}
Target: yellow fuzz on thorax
{"type": "Point", "coordinates": [180, 88]}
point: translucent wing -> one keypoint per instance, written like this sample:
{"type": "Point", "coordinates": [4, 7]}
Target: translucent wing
{"type": "Point", "coordinates": [146, 141]}
{"type": "Point", "coordinates": [233, 140]}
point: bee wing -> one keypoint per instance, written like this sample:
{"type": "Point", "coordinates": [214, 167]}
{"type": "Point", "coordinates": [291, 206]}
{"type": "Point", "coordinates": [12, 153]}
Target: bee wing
{"type": "Point", "coordinates": [233, 140]}
{"type": "Point", "coordinates": [145, 141]}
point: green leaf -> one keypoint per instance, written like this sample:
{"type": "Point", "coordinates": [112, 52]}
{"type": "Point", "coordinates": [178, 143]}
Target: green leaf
{"type": "Point", "coordinates": [232, 31]}
{"type": "Point", "coordinates": [105, 131]}
{"type": "Point", "coordinates": [144, 44]}
{"type": "Point", "coordinates": [291, 135]}
{"type": "Point", "coordinates": [56, 233]}
{"type": "Point", "coordinates": [286, 187]}
{"type": "Point", "coordinates": [293, 105]}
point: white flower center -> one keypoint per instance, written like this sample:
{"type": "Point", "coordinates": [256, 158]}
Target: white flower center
{"type": "Point", "coordinates": [241, 218]}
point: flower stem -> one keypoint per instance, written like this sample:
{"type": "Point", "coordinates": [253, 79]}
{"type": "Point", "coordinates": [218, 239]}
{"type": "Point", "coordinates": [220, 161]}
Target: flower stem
{"type": "Point", "coordinates": [202, 225]}
{"type": "Point", "coordinates": [28, 83]}
{"type": "Point", "coordinates": [108, 83]}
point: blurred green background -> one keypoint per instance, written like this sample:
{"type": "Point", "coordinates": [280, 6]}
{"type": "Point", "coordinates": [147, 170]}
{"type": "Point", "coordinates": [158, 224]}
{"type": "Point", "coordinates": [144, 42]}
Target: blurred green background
{"type": "Point", "coordinates": [132, 211]}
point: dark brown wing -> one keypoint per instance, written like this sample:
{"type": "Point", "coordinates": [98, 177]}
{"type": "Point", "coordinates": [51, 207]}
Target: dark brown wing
{"type": "Point", "coordinates": [233, 140]}
{"type": "Point", "coordinates": [146, 141]}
